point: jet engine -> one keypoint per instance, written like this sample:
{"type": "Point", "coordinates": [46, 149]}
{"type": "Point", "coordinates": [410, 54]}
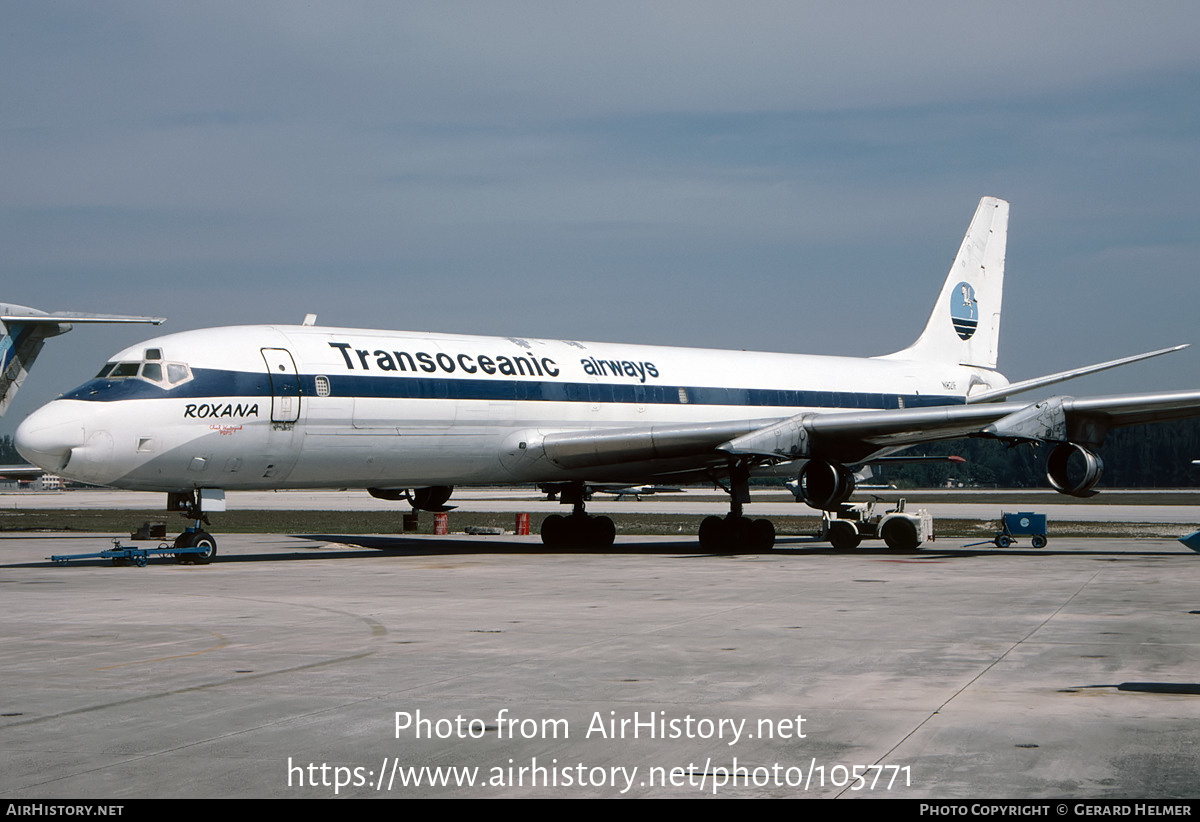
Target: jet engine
{"type": "Point", "coordinates": [432, 498]}
{"type": "Point", "coordinates": [825, 485]}
{"type": "Point", "coordinates": [1073, 469]}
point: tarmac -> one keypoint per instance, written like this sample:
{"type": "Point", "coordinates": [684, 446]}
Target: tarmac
{"type": "Point", "coordinates": [323, 665]}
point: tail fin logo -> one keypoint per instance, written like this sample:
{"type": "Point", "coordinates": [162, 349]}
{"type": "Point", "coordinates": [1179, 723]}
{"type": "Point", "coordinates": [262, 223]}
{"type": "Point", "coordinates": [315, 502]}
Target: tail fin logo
{"type": "Point", "coordinates": [964, 311]}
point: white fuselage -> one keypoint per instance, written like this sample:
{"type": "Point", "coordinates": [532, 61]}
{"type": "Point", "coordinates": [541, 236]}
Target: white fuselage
{"type": "Point", "coordinates": [306, 407]}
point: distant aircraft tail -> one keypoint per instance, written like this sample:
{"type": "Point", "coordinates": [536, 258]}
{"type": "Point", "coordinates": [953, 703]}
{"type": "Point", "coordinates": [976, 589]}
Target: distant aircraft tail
{"type": "Point", "coordinates": [20, 344]}
{"type": "Point", "coordinates": [964, 328]}
{"type": "Point", "coordinates": [23, 331]}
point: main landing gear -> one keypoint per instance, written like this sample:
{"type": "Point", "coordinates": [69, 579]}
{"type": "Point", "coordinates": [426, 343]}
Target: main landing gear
{"type": "Point", "coordinates": [194, 536]}
{"type": "Point", "coordinates": [735, 532]}
{"type": "Point", "coordinates": [718, 535]}
{"type": "Point", "coordinates": [578, 529]}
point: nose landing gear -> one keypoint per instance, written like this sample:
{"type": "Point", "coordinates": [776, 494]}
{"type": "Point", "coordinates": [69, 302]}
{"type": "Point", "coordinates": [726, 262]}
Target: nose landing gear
{"type": "Point", "coordinates": [201, 540]}
{"type": "Point", "coordinates": [202, 543]}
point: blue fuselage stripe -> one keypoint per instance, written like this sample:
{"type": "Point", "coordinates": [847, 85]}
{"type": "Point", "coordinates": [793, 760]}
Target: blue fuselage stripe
{"type": "Point", "coordinates": [221, 384]}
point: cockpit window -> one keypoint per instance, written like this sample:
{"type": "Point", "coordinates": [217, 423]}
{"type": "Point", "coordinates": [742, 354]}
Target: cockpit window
{"type": "Point", "coordinates": [151, 370]}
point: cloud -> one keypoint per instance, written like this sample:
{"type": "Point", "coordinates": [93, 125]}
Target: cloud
{"type": "Point", "coordinates": [791, 176]}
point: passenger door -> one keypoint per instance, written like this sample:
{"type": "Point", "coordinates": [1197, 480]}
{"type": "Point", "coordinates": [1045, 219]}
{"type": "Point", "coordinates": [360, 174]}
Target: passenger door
{"type": "Point", "coordinates": [285, 385]}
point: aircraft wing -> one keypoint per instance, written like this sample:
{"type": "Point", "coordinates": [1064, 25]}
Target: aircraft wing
{"type": "Point", "coordinates": [854, 436]}
{"type": "Point", "coordinates": [850, 437]}
{"type": "Point", "coordinates": [19, 472]}
{"type": "Point", "coordinates": [689, 443]}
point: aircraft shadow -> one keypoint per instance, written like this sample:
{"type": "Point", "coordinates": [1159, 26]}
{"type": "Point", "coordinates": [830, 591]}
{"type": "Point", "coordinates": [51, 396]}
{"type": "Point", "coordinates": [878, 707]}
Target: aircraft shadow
{"type": "Point", "coordinates": [368, 546]}
{"type": "Point", "coordinates": [419, 546]}
{"type": "Point", "coordinates": [1185, 688]}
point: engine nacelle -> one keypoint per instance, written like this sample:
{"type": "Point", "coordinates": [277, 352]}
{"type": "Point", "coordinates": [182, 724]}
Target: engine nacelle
{"type": "Point", "coordinates": [1074, 470]}
{"type": "Point", "coordinates": [825, 485]}
{"type": "Point", "coordinates": [431, 498]}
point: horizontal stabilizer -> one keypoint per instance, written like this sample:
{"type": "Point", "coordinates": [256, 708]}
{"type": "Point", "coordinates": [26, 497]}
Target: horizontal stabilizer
{"type": "Point", "coordinates": [1062, 376]}
{"type": "Point", "coordinates": [24, 316]}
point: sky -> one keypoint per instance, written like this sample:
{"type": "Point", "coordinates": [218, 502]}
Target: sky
{"type": "Point", "coordinates": [783, 176]}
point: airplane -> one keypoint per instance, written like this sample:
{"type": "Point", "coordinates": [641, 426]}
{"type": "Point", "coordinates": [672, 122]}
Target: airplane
{"type": "Point", "coordinates": [21, 473]}
{"type": "Point", "coordinates": [409, 415]}
{"type": "Point", "coordinates": [23, 332]}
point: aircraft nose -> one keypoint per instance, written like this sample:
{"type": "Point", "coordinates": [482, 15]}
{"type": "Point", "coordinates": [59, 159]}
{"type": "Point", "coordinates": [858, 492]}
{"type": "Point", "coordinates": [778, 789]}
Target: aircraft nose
{"type": "Point", "coordinates": [48, 435]}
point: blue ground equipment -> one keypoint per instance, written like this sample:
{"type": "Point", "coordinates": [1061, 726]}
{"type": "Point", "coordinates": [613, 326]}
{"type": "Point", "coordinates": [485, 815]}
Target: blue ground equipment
{"type": "Point", "coordinates": [121, 555]}
{"type": "Point", "coordinates": [1021, 524]}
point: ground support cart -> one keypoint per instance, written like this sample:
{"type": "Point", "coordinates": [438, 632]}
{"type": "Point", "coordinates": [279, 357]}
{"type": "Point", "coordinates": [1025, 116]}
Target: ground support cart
{"type": "Point", "coordinates": [1021, 524]}
{"type": "Point", "coordinates": [899, 530]}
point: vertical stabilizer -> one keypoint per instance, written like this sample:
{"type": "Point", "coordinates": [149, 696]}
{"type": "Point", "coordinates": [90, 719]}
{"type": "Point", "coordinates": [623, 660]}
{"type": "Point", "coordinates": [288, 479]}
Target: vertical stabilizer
{"type": "Point", "coordinates": [964, 328]}
{"type": "Point", "coordinates": [20, 343]}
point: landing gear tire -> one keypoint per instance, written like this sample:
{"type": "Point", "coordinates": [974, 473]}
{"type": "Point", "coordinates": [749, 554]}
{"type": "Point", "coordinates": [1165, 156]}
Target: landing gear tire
{"type": "Point", "coordinates": [603, 532]}
{"type": "Point", "coordinates": [553, 529]}
{"type": "Point", "coordinates": [733, 534]}
{"type": "Point", "coordinates": [900, 535]}
{"type": "Point", "coordinates": [843, 536]}
{"type": "Point", "coordinates": [762, 535]}
{"type": "Point", "coordinates": [714, 535]}
{"type": "Point", "coordinates": [196, 539]}
{"type": "Point", "coordinates": [578, 531]}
